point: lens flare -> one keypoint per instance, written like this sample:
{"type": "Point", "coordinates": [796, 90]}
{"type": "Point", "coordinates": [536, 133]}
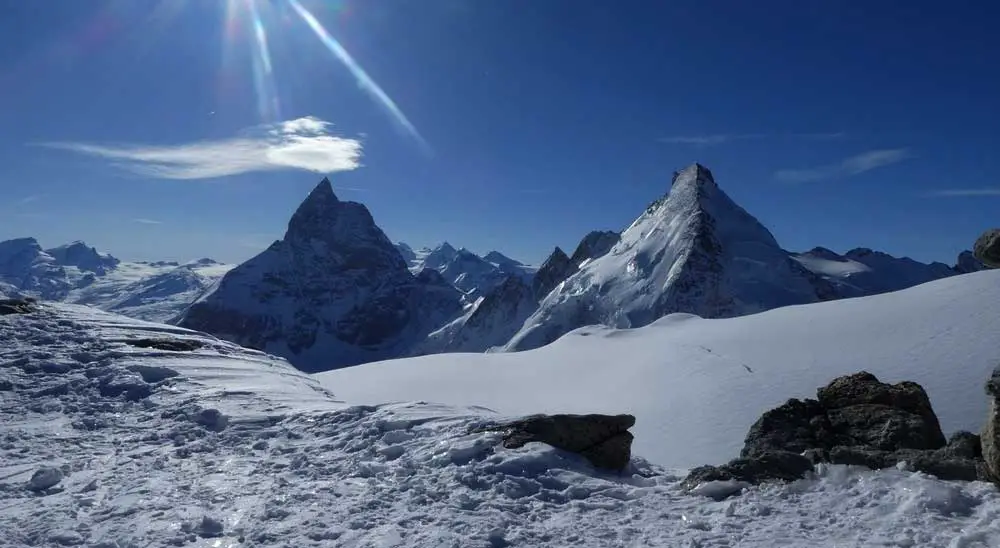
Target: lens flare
{"type": "Point", "coordinates": [364, 81]}
{"type": "Point", "coordinates": [263, 75]}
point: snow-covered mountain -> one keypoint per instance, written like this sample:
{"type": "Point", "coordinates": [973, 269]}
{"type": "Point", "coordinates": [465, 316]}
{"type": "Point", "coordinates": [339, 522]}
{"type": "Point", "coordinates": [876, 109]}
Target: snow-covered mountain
{"type": "Point", "coordinates": [863, 271]}
{"type": "Point", "coordinates": [118, 432]}
{"type": "Point", "coordinates": [694, 250]}
{"type": "Point", "coordinates": [474, 275]}
{"type": "Point", "coordinates": [77, 273]}
{"type": "Point", "coordinates": [333, 292]}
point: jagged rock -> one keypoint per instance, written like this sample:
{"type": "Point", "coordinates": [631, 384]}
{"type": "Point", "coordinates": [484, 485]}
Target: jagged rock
{"type": "Point", "coordinates": [595, 244]}
{"type": "Point", "coordinates": [16, 306]}
{"type": "Point", "coordinates": [45, 478]}
{"type": "Point", "coordinates": [767, 466]}
{"type": "Point", "coordinates": [604, 440]}
{"type": "Point", "coordinates": [990, 436]}
{"type": "Point", "coordinates": [967, 262]}
{"type": "Point", "coordinates": [172, 345]}
{"type": "Point", "coordinates": [556, 268]}
{"type": "Point", "coordinates": [987, 248]}
{"type": "Point", "coordinates": [858, 420]}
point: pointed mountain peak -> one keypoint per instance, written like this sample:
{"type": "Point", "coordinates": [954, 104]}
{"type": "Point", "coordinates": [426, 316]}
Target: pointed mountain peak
{"type": "Point", "coordinates": [316, 213]}
{"type": "Point", "coordinates": [501, 259]}
{"type": "Point", "coordinates": [446, 248]}
{"type": "Point", "coordinates": [694, 174]}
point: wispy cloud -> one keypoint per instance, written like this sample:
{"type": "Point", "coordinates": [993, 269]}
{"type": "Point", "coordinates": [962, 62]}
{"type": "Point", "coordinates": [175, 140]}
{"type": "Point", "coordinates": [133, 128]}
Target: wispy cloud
{"type": "Point", "coordinates": [854, 165]}
{"type": "Point", "coordinates": [714, 139]}
{"type": "Point", "coordinates": [964, 192]}
{"type": "Point", "coordinates": [710, 140]}
{"type": "Point", "coordinates": [29, 199]}
{"type": "Point", "coordinates": [147, 221]}
{"type": "Point", "coordinates": [304, 144]}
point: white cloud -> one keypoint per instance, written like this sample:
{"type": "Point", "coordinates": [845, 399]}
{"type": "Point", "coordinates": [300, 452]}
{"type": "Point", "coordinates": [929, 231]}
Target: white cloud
{"type": "Point", "coordinates": [710, 140]}
{"type": "Point", "coordinates": [964, 192]}
{"type": "Point", "coordinates": [723, 138]}
{"type": "Point", "coordinates": [29, 199]}
{"type": "Point", "coordinates": [147, 221]}
{"type": "Point", "coordinates": [854, 165]}
{"type": "Point", "coordinates": [304, 143]}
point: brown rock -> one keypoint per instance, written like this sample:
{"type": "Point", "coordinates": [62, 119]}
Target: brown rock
{"type": "Point", "coordinates": [604, 440]}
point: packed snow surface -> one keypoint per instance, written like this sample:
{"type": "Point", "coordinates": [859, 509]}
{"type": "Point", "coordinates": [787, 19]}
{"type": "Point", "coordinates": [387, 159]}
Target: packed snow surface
{"type": "Point", "coordinates": [107, 441]}
{"type": "Point", "coordinates": [696, 385]}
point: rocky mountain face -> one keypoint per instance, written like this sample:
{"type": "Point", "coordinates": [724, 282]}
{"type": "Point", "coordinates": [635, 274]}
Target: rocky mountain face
{"type": "Point", "coordinates": [694, 250]}
{"type": "Point", "coordinates": [475, 276]}
{"type": "Point", "coordinates": [333, 292]}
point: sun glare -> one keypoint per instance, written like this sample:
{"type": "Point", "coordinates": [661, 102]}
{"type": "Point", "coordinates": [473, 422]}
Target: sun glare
{"type": "Point", "coordinates": [248, 20]}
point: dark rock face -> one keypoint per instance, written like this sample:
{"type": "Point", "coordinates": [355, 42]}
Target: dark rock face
{"type": "Point", "coordinates": [604, 440]}
{"type": "Point", "coordinates": [556, 268]}
{"type": "Point", "coordinates": [856, 419]}
{"type": "Point", "coordinates": [987, 248]}
{"type": "Point", "coordinates": [595, 244]}
{"type": "Point", "coordinates": [87, 258]}
{"type": "Point", "coordinates": [991, 431]}
{"type": "Point", "coordinates": [172, 345]}
{"type": "Point", "coordinates": [16, 306]}
{"type": "Point", "coordinates": [967, 262]}
{"type": "Point", "coordinates": [333, 292]}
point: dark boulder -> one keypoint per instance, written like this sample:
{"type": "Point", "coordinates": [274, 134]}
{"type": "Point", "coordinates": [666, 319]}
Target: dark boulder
{"type": "Point", "coordinates": [16, 306]}
{"type": "Point", "coordinates": [987, 248]}
{"type": "Point", "coordinates": [857, 420]}
{"type": "Point", "coordinates": [990, 436]}
{"type": "Point", "coordinates": [171, 345]}
{"type": "Point", "coordinates": [604, 440]}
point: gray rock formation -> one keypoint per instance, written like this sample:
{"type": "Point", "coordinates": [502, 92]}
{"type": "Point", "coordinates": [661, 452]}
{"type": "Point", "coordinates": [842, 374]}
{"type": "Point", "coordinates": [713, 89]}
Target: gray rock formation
{"type": "Point", "coordinates": [604, 440]}
{"type": "Point", "coordinates": [856, 419]}
{"type": "Point", "coordinates": [16, 306]}
{"type": "Point", "coordinates": [556, 268]}
{"type": "Point", "coordinates": [991, 431]}
{"type": "Point", "coordinates": [987, 248]}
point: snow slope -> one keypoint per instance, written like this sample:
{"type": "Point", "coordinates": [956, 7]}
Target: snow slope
{"type": "Point", "coordinates": [223, 447]}
{"type": "Point", "coordinates": [696, 385]}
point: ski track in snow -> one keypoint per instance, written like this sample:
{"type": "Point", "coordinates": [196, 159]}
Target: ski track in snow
{"type": "Point", "coordinates": [147, 463]}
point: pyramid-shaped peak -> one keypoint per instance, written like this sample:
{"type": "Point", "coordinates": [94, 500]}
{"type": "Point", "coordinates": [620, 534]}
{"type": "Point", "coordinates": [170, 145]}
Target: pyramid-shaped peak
{"type": "Point", "coordinates": [694, 174]}
{"type": "Point", "coordinates": [316, 212]}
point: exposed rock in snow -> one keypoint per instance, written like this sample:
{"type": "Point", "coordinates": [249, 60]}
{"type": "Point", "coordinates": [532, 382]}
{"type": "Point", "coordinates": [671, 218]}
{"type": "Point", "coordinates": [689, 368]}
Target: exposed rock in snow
{"type": "Point", "coordinates": [504, 262]}
{"type": "Point", "coordinates": [987, 248]}
{"type": "Point", "coordinates": [333, 292]}
{"type": "Point", "coordinates": [991, 429]}
{"type": "Point", "coordinates": [556, 268]}
{"type": "Point", "coordinates": [967, 262]}
{"type": "Point", "coordinates": [44, 478]}
{"type": "Point", "coordinates": [594, 245]}
{"type": "Point", "coordinates": [694, 250]}
{"type": "Point", "coordinates": [856, 420]}
{"type": "Point", "coordinates": [604, 440]}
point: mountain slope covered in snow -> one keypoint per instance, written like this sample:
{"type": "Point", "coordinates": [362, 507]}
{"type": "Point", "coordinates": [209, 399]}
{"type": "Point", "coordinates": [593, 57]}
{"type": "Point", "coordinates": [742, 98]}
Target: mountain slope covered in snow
{"type": "Point", "coordinates": [694, 250]}
{"type": "Point", "coordinates": [117, 432]}
{"type": "Point", "coordinates": [696, 385]}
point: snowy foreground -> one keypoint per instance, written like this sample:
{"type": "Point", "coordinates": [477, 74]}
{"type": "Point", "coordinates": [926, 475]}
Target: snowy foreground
{"type": "Point", "coordinates": [147, 461]}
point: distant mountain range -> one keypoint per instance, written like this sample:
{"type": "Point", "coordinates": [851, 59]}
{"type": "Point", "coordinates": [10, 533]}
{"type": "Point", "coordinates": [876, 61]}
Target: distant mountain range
{"type": "Point", "coordinates": [335, 291]}
{"type": "Point", "coordinates": [77, 273]}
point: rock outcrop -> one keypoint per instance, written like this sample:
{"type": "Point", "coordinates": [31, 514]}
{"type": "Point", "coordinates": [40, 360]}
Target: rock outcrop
{"type": "Point", "coordinates": [856, 419]}
{"type": "Point", "coordinates": [991, 431]}
{"type": "Point", "coordinates": [604, 440]}
{"type": "Point", "coordinates": [987, 248]}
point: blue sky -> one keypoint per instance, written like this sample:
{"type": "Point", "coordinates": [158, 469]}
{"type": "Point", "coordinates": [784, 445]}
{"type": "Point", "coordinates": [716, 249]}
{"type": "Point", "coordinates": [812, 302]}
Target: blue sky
{"type": "Point", "coordinates": [162, 129]}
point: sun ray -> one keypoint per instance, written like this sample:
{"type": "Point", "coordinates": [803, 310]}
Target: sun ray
{"type": "Point", "coordinates": [267, 94]}
{"type": "Point", "coordinates": [364, 80]}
